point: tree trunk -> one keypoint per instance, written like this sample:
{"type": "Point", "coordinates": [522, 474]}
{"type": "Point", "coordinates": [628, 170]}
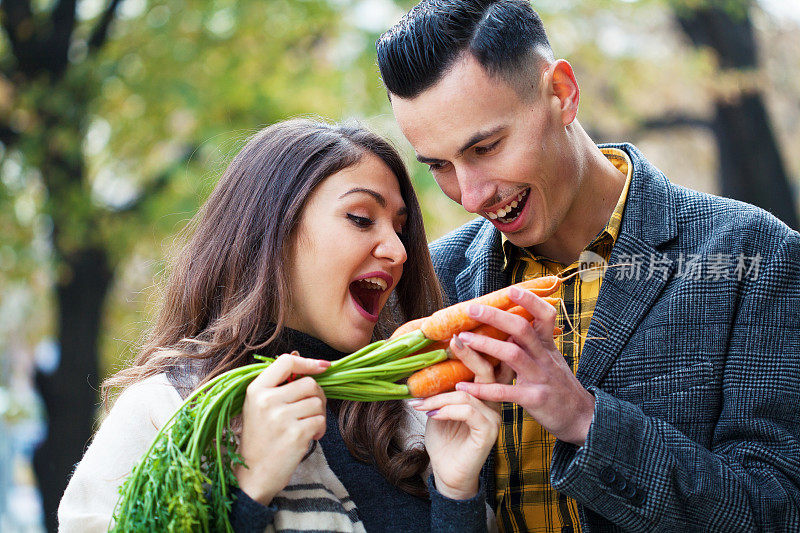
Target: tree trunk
{"type": "Point", "coordinates": [69, 402]}
{"type": "Point", "coordinates": [751, 168]}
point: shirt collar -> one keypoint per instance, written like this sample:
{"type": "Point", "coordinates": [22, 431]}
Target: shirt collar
{"type": "Point", "coordinates": [611, 230]}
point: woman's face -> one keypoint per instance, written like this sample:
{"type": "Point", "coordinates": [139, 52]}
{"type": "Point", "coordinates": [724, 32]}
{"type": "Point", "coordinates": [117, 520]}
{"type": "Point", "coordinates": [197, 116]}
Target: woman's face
{"type": "Point", "coordinates": [347, 255]}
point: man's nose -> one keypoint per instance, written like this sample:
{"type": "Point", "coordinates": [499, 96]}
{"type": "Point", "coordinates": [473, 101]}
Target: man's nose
{"type": "Point", "coordinates": [475, 188]}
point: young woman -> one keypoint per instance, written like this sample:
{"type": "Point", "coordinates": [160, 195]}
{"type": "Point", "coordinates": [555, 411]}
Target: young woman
{"type": "Point", "coordinates": [311, 231]}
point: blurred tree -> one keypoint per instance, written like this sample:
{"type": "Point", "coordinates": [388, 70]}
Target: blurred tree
{"type": "Point", "coordinates": [106, 111]}
{"type": "Point", "coordinates": [687, 76]}
{"type": "Point", "coordinates": [751, 168]}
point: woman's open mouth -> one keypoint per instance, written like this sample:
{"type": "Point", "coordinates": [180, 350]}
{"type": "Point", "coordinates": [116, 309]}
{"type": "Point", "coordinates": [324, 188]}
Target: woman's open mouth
{"type": "Point", "coordinates": [367, 291]}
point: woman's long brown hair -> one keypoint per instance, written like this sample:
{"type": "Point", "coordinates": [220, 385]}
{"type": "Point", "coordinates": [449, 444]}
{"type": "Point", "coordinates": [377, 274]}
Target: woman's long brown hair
{"type": "Point", "coordinates": [226, 296]}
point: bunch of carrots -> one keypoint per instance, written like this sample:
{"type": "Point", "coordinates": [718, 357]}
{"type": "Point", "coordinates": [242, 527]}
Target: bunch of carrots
{"type": "Point", "coordinates": [443, 324]}
{"type": "Point", "coordinates": [182, 481]}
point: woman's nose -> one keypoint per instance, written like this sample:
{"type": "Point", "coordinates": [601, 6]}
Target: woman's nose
{"type": "Point", "coordinates": [391, 247]}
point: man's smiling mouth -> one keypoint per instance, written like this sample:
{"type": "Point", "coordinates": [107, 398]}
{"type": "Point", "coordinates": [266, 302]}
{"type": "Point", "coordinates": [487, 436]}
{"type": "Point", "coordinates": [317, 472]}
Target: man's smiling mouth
{"type": "Point", "coordinates": [509, 212]}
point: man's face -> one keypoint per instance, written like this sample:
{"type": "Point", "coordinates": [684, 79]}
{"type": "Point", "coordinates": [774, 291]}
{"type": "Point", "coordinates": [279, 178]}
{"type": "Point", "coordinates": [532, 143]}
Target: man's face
{"type": "Point", "coordinates": [501, 156]}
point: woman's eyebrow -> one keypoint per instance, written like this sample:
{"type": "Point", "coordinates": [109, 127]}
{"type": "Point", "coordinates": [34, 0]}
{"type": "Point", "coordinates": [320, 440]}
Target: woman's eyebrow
{"type": "Point", "coordinates": [377, 196]}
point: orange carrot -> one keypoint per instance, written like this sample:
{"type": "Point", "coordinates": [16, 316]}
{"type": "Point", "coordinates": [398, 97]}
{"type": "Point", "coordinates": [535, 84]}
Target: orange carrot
{"type": "Point", "coordinates": [481, 329]}
{"type": "Point", "coordinates": [408, 327]}
{"type": "Point", "coordinates": [446, 322]}
{"type": "Point", "coordinates": [441, 377]}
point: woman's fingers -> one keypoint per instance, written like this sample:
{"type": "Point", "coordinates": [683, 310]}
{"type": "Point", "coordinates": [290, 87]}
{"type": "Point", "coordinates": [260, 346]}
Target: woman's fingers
{"type": "Point", "coordinates": [305, 408]}
{"type": "Point", "coordinates": [440, 401]}
{"type": "Point", "coordinates": [482, 420]}
{"type": "Point", "coordinates": [267, 398]}
{"type": "Point", "coordinates": [302, 388]}
{"type": "Point", "coordinates": [284, 367]}
{"type": "Point", "coordinates": [475, 418]}
{"type": "Point", "coordinates": [312, 427]}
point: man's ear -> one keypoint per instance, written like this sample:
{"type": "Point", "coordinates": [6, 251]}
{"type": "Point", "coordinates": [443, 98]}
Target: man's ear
{"type": "Point", "coordinates": [559, 80]}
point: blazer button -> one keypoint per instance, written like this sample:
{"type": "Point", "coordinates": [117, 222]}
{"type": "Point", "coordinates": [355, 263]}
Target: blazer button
{"type": "Point", "coordinates": [630, 492]}
{"type": "Point", "coordinates": [621, 485]}
{"type": "Point", "coordinates": [608, 475]}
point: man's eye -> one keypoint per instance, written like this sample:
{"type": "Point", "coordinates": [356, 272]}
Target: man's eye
{"type": "Point", "coordinates": [436, 167]}
{"type": "Point", "coordinates": [480, 150]}
{"type": "Point", "coordinates": [361, 222]}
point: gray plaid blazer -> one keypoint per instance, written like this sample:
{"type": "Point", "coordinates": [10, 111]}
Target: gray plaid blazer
{"type": "Point", "coordinates": [695, 369]}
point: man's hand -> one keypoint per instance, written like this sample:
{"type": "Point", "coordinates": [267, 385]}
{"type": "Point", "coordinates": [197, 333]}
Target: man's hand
{"type": "Point", "coordinates": [545, 385]}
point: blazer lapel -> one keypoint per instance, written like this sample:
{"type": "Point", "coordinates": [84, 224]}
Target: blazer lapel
{"type": "Point", "coordinates": [628, 292]}
{"type": "Point", "coordinates": [621, 306]}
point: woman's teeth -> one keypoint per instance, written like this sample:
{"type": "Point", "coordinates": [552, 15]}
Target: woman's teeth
{"type": "Point", "coordinates": [379, 283]}
{"type": "Point", "coordinates": [367, 293]}
{"type": "Point", "coordinates": [509, 209]}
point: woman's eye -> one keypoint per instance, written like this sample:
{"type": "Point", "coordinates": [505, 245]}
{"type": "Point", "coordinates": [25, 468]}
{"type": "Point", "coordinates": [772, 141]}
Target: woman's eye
{"type": "Point", "coordinates": [361, 222]}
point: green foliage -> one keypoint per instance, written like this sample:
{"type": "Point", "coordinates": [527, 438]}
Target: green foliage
{"type": "Point", "coordinates": [119, 152]}
{"type": "Point", "coordinates": [180, 485]}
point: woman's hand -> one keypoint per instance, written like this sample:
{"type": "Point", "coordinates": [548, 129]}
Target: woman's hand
{"type": "Point", "coordinates": [278, 423]}
{"type": "Point", "coordinates": [461, 431]}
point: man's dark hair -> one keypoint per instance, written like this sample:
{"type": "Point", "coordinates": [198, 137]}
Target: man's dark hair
{"type": "Point", "coordinates": [502, 35]}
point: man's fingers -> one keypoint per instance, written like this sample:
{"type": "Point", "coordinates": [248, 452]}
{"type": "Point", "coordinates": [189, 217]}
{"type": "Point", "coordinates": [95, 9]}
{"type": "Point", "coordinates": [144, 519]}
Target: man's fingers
{"type": "Point", "coordinates": [483, 369]}
{"type": "Point", "coordinates": [488, 392]}
{"type": "Point", "coordinates": [511, 324]}
{"type": "Point", "coordinates": [283, 368]}
{"type": "Point", "coordinates": [511, 353]}
{"type": "Point", "coordinates": [544, 314]}
{"type": "Point", "coordinates": [504, 374]}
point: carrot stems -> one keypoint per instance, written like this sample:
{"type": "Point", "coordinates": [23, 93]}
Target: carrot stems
{"type": "Point", "coordinates": [408, 365]}
{"type": "Point", "coordinates": [182, 482]}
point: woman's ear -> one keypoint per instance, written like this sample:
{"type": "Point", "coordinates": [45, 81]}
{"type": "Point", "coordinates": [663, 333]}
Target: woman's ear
{"type": "Point", "coordinates": [560, 79]}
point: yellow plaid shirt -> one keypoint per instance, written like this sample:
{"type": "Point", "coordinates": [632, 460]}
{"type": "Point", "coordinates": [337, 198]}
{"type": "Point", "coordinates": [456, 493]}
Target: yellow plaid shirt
{"type": "Point", "coordinates": [524, 500]}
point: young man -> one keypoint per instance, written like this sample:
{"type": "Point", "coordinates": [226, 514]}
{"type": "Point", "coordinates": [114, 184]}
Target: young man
{"type": "Point", "coordinates": [672, 402]}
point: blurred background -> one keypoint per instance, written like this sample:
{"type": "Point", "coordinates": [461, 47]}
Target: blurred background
{"type": "Point", "coordinates": [117, 117]}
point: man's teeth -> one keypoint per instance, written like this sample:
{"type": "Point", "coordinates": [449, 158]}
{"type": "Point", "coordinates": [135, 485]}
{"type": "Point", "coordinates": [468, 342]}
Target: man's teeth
{"type": "Point", "coordinates": [379, 282]}
{"type": "Point", "coordinates": [500, 213]}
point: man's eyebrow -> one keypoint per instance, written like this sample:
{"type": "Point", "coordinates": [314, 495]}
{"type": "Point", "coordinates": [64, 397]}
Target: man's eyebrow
{"type": "Point", "coordinates": [475, 139]}
{"type": "Point", "coordinates": [478, 137]}
{"type": "Point", "coordinates": [376, 195]}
